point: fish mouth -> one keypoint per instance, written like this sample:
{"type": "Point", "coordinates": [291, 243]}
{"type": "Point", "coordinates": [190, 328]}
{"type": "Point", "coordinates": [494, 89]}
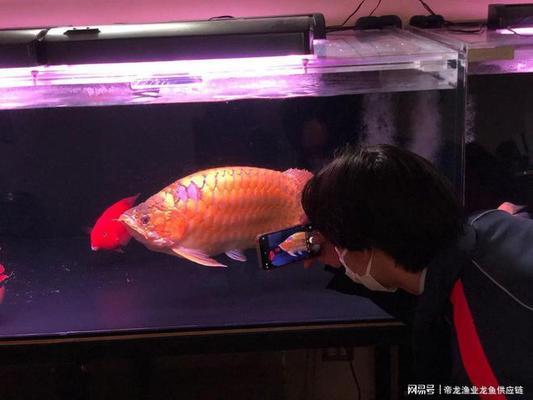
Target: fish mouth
{"type": "Point", "coordinates": [130, 223]}
{"type": "Point", "coordinates": [127, 220]}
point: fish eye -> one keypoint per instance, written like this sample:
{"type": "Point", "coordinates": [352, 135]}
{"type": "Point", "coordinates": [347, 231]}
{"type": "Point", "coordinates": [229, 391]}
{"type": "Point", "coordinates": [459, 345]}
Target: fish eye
{"type": "Point", "coordinates": [145, 219]}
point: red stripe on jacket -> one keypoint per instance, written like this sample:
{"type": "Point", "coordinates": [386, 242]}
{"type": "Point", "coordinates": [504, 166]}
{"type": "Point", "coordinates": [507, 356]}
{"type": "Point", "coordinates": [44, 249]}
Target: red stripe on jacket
{"type": "Point", "coordinates": [474, 359]}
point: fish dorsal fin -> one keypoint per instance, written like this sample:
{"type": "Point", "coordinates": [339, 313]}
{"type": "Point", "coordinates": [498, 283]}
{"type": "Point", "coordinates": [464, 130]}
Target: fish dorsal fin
{"type": "Point", "coordinates": [197, 256]}
{"type": "Point", "coordinates": [301, 176]}
{"type": "Point", "coordinates": [237, 255]}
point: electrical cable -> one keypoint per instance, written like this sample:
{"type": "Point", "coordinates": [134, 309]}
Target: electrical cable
{"type": "Point", "coordinates": [428, 8]}
{"type": "Point", "coordinates": [338, 29]}
{"type": "Point", "coordinates": [459, 27]}
{"type": "Point", "coordinates": [375, 8]}
{"type": "Point", "coordinates": [455, 27]}
{"type": "Point", "coordinates": [341, 27]}
{"type": "Point", "coordinates": [354, 12]}
{"type": "Point", "coordinates": [221, 17]}
{"type": "Point", "coordinates": [356, 381]}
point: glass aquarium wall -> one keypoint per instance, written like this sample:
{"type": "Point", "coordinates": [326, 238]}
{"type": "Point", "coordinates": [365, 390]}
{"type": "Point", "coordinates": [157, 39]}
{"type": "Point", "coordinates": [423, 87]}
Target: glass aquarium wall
{"type": "Point", "coordinates": [63, 166]}
{"type": "Point", "coordinates": [499, 130]}
{"type": "Point", "coordinates": [499, 164]}
{"type": "Point", "coordinates": [69, 152]}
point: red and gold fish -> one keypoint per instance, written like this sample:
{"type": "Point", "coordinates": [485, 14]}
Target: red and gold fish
{"type": "Point", "coordinates": [108, 233]}
{"type": "Point", "coordinates": [219, 210]}
{"type": "Point", "coordinates": [3, 279]}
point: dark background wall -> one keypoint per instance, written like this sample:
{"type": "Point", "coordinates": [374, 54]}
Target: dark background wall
{"type": "Point", "coordinates": [499, 157]}
{"type": "Point", "coordinates": [66, 165]}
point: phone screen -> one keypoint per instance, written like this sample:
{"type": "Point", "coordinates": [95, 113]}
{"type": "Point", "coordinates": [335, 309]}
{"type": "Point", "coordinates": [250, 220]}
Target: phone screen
{"type": "Point", "coordinates": [287, 246]}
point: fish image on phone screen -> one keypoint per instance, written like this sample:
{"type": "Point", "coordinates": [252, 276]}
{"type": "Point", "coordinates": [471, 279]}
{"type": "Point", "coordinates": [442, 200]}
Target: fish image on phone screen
{"type": "Point", "coordinates": [287, 246]}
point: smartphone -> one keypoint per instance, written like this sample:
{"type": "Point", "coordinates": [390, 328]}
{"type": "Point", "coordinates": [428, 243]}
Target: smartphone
{"type": "Point", "coordinates": [287, 246]}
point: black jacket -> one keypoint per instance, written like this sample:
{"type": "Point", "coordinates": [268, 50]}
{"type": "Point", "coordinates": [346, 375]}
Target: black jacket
{"type": "Point", "coordinates": [494, 262]}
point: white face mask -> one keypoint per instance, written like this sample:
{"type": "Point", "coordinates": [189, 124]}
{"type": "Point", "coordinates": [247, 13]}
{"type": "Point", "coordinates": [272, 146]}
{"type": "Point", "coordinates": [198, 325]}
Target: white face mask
{"type": "Point", "coordinates": [367, 279]}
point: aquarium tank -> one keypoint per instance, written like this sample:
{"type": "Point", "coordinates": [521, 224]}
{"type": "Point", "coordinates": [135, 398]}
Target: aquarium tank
{"type": "Point", "coordinates": [498, 119]}
{"type": "Point", "coordinates": [92, 133]}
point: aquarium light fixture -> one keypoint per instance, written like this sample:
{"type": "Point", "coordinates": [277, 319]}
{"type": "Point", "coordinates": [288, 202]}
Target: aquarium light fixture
{"type": "Point", "coordinates": [185, 40]}
{"type": "Point", "coordinates": [173, 53]}
{"type": "Point", "coordinates": [216, 38]}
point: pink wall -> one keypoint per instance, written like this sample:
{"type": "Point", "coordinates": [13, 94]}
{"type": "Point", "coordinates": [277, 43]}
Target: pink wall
{"type": "Point", "coordinates": [27, 13]}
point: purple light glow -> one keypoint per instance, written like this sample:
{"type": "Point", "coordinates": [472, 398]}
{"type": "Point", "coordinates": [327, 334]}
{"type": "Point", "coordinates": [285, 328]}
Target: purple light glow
{"type": "Point", "coordinates": [339, 66]}
{"type": "Point", "coordinates": [123, 93]}
{"type": "Point", "coordinates": [152, 73]}
{"type": "Point", "coordinates": [526, 31]}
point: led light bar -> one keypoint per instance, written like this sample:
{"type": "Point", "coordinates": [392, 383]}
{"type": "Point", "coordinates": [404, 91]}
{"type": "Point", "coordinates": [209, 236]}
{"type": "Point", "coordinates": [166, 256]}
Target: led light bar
{"type": "Point", "coordinates": [192, 40]}
{"type": "Point", "coordinates": [195, 40]}
{"type": "Point", "coordinates": [154, 74]}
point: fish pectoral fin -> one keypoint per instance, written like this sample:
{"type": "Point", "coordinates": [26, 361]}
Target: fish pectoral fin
{"type": "Point", "coordinates": [237, 255]}
{"type": "Point", "coordinates": [197, 256]}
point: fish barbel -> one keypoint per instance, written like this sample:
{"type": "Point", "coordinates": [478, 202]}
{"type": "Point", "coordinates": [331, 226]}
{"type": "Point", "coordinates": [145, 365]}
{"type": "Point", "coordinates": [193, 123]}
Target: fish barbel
{"type": "Point", "coordinates": [219, 210]}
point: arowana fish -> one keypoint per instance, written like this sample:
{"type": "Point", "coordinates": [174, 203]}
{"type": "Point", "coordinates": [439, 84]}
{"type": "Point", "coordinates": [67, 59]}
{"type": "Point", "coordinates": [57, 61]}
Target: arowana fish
{"type": "Point", "coordinates": [219, 210]}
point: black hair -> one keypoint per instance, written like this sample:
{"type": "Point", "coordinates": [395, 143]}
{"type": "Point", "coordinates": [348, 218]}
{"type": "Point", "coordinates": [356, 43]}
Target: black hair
{"type": "Point", "coordinates": [385, 197]}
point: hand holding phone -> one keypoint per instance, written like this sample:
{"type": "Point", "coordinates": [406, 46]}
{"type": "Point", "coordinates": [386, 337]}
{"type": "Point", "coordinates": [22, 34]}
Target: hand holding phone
{"type": "Point", "coordinates": [327, 254]}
